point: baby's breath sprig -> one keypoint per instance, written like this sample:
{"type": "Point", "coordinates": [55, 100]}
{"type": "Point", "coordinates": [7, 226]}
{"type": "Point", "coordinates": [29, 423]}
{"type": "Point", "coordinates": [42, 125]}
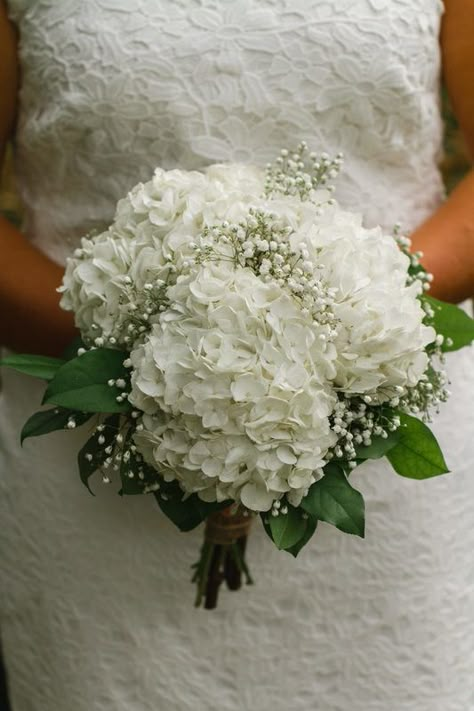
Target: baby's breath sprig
{"type": "Point", "coordinates": [116, 455]}
{"type": "Point", "coordinates": [431, 390]}
{"type": "Point", "coordinates": [143, 305]}
{"type": "Point", "coordinates": [262, 243]}
{"type": "Point", "coordinates": [300, 174]}
{"type": "Point", "coordinates": [356, 422]}
{"type": "Point", "coordinates": [416, 272]}
{"type": "Point", "coordinates": [428, 394]}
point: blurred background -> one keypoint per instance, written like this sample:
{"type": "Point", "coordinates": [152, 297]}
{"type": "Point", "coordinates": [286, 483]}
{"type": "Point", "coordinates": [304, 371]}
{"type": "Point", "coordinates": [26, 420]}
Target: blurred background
{"type": "Point", "coordinates": [9, 203]}
{"type": "Point", "coordinates": [456, 161]}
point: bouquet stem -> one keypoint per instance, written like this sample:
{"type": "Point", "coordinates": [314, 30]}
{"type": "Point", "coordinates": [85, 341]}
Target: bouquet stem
{"type": "Point", "coordinates": [222, 556]}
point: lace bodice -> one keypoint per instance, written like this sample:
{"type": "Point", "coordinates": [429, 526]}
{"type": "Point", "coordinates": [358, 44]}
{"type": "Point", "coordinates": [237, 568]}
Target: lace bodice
{"type": "Point", "coordinates": [113, 88]}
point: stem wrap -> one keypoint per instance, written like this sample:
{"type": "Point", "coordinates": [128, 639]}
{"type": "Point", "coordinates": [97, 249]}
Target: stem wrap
{"type": "Point", "coordinates": [225, 527]}
{"type": "Point", "coordinates": [222, 555]}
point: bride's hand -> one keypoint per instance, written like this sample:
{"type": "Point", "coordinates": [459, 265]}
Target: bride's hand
{"type": "Point", "coordinates": [30, 317]}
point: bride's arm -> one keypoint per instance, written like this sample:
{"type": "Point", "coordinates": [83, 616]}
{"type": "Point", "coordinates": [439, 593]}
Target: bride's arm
{"type": "Point", "coordinates": [30, 317]}
{"type": "Point", "coordinates": [447, 238]}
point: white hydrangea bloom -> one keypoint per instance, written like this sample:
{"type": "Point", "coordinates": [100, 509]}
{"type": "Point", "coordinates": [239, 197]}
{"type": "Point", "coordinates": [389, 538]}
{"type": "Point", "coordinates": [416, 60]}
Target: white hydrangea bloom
{"type": "Point", "coordinates": [154, 226]}
{"type": "Point", "coordinates": [98, 280]}
{"type": "Point", "coordinates": [236, 368]}
{"type": "Point", "coordinates": [381, 338]}
{"type": "Point", "coordinates": [236, 377]}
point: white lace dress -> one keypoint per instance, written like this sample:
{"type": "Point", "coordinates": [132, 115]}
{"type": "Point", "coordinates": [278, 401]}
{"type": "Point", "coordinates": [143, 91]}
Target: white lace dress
{"type": "Point", "coordinates": [97, 607]}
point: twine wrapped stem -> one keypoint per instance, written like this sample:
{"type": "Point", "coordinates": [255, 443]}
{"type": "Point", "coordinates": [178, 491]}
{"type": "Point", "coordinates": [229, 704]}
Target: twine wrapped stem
{"type": "Point", "coordinates": [222, 555]}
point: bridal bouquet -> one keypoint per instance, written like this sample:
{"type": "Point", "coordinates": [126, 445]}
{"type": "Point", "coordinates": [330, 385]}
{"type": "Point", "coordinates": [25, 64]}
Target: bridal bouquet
{"type": "Point", "coordinates": [246, 344]}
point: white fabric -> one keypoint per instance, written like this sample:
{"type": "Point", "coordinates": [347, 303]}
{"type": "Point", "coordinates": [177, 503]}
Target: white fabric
{"type": "Point", "coordinates": [96, 601]}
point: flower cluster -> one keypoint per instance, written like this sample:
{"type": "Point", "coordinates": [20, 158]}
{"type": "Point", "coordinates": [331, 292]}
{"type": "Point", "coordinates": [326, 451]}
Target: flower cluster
{"type": "Point", "coordinates": [107, 280]}
{"type": "Point", "coordinates": [261, 243]}
{"type": "Point", "coordinates": [269, 331]}
{"type": "Point", "coordinates": [381, 341]}
{"type": "Point", "coordinates": [232, 383]}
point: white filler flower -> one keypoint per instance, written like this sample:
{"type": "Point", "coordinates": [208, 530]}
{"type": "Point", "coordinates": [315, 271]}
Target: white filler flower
{"type": "Point", "coordinates": [381, 338]}
{"type": "Point", "coordinates": [149, 240]}
{"type": "Point", "coordinates": [236, 368]}
{"type": "Point", "coordinates": [254, 308]}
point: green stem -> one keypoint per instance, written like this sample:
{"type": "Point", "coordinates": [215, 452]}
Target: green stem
{"type": "Point", "coordinates": [202, 571]}
{"type": "Point", "coordinates": [239, 556]}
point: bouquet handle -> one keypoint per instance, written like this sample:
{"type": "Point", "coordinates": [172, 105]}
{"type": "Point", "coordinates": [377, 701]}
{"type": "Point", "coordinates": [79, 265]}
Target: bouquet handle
{"type": "Point", "coordinates": [222, 555]}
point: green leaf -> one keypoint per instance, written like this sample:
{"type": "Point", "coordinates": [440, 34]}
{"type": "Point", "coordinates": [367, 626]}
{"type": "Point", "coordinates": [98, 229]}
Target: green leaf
{"type": "Point", "coordinates": [93, 454]}
{"type": "Point", "coordinates": [36, 365]}
{"type": "Point", "coordinates": [288, 529]}
{"type": "Point", "coordinates": [306, 531]}
{"type": "Point", "coordinates": [417, 454]}
{"type": "Point", "coordinates": [70, 351]}
{"type": "Point", "coordinates": [311, 525]}
{"type": "Point", "coordinates": [188, 513]}
{"type": "Point", "coordinates": [81, 383]}
{"type": "Point", "coordinates": [334, 500]}
{"type": "Point", "coordinates": [379, 446]}
{"type": "Point", "coordinates": [50, 420]}
{"type": "Point", "coordinates": [451, 322]}
{"type": "Point", "coordinates": [131, 486]}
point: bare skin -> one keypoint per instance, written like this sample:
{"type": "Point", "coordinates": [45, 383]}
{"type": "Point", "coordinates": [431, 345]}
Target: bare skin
{"type": "Point", "coordinates": [447, 237]}
{"type": "Point", "coordinates": [30, 317]}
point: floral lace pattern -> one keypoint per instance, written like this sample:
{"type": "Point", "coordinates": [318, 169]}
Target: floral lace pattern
{"type": "Point", "coordinates": [131, 85]}
{"type": "Point", "coordinates": [96, 614]}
